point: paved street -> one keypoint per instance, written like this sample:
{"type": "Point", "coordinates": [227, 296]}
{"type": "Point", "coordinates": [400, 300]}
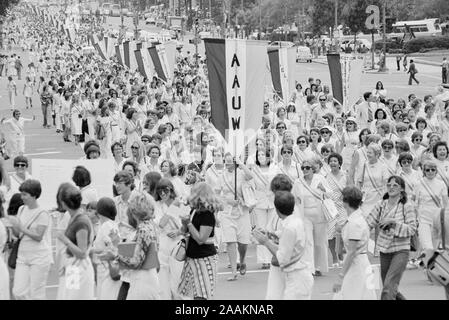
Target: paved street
{"type": "Point", "coordinates": [46, 144]}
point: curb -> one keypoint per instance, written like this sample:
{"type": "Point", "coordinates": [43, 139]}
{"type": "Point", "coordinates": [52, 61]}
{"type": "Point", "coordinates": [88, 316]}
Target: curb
{"type": "Point", "coordinates": [429, 63]}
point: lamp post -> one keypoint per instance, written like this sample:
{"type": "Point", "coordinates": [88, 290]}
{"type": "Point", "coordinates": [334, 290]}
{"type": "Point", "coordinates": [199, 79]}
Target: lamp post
{"type": "Point", "coordinates": [136, 21]}
{"type": "Point", "coordinates": [383, 66]}
{"type": "Point", "coordinates": [337, 46]}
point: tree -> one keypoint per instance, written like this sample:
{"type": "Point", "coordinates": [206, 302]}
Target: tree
{"type": "Point", "coordinates": [354, 14]}
{"type": "Point", "coordinates": [323, 16]}
{"type": "Point", "coordinates": [5, 4]}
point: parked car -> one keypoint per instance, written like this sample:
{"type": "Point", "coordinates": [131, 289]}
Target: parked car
{"type": "Point", "coordinates": [151, 21]}
{"type": "Point", "coordinates": [283, 44]}
{"type": "Point", "coordinates": [105, 9]}
{"type": "Point", "coordinates": [303, 54]}
{"type": "Point", "coordinates": [204, 34]}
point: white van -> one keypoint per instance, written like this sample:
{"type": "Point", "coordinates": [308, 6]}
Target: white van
{"type": "Point", "coordinates": [303, 54]}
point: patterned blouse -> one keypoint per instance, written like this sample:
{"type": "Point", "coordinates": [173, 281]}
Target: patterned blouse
{"type": "Point", "coordinates": [145, 235]}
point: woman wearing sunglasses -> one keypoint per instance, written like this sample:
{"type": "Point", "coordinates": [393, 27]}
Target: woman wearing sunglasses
{"type": "Point", "coordinates": [417, 148]}
{"type": "Point", "coordinates": [300, 151]}
{"type": "Point", "coordinates": [138, 155]}
{"type": "Point", "coordinates": [421, 127]}
{"type": "Point", "coordinates": [372, 178]}
{"type": "Point", "coordinates": [431, 195]}
{"type": "Point", "coordinates": [288, 166]}
{"type": "Point", "coordinates": [388, 157]}
{"type": "Point", "coordinates": [310, 190]}
{"type": "Point", "coordinates": [349, 142]}
{"type": "Point", "coordinates": [263, 171]}
{"type": "Point", "coordinates": [441, 154]}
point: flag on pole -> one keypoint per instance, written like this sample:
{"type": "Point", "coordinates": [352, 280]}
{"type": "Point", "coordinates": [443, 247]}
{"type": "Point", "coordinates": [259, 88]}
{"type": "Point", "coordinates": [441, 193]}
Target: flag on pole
{"type": "Point", "coordinates": [333, 61]}
{"type": "Point", "coordinates": [170, 51]}
{"type": "Point", "coordinates": [282, 66]}
{"type": "Point", "coordinates": [352, 68]}
{"type": "Point", "coordinates": [236, 88]}
{"type": "Point", "coordinates": [119, 54]}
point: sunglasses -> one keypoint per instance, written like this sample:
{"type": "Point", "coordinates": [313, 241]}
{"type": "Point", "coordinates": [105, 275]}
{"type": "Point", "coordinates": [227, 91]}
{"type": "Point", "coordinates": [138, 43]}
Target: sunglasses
{"type": "Point", "coordinates": [325, 151]}
{"type": "Point", "coordinates": [21, 165]}
{"type": "Point", "coordinates": [430, 170]}
{"type": "Point", "coordinates": [402, 130]}
{"type": "Point", "coordinates": [348, 123]}
{"type": "Point", "coordinates": [306, 168]}
{"type": "Point", "coordinates": [280, 128]}
{"type": "Point", "coordinates": [390, 185]}
{"type": "Point", "coordinates": [406, 161]}
{"type": "Point", "coordinates": [302, 142]}
{"type": "Point", "coordinates": [387, 148]}
{"type": "Point", "coordinates": [325, 132]}
{"type": "Point", "coordinates": [419, 140]}
{"type": "Point", "coordinates": [145, 141]}
{"type": "Point", "coordinates": [287, 152]}
{"type": "Point", "coordinates": [134, 147]}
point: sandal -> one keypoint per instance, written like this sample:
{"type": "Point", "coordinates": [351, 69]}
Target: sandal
{"type": "Point", "coordinates": [232, 278]}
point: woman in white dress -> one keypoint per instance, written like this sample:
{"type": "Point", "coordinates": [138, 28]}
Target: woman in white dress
{"type": "Point", "coordinates": [168, 218]}
{"type": "Point", "coordinates": [76, 116]}
{"type": "Point", "coordinates": [372, 178]}
{"type": "Point", "coordinates": [441, 154]}
{"type": "Point", "coordinates": [315, 142]}
{"type": "Point", "coordinates": [357, 274]}
{"type": "Point", "coordinates": [301, 152]}
{"type": "Point", "coordinates": [388, 158]}
{"type": "Point", "coordinates": [310, 189]}
{"type": "Point", "coordinates": [288, 166]}
{"type": "Point", "coordinates": [350, 143]}
{"type": "Point", "coordinates": [263, 213]}
{"type": "Point", "coordinates": [79, 281]}
{"type": "Point", "coordinates": [107, 288]}
{"type": "Point", "coordinates": [133, 129]}
{"type": "Point", "coordinates": [104, 120]}
{"type": "Point", "coordinates": [431, 195]}
{"type": "Point", "coordinates": [28, 90]}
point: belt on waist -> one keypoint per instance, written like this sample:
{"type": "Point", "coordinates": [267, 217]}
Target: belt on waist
{"type": "Point", "coordinates": [114, 125]}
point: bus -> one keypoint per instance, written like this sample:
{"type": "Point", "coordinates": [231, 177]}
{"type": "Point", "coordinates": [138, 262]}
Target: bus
{"type": "Point", "coordinates": [420, 28]}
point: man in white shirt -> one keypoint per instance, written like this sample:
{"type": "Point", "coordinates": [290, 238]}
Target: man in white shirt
{"type": "Point", "coordinates": [364, 111]}
{"type": "Point", "coordinates": [289, 253]}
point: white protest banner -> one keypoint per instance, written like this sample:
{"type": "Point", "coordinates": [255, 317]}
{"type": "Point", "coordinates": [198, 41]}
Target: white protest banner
{"type": "Point", "coordinates": [53, 172]}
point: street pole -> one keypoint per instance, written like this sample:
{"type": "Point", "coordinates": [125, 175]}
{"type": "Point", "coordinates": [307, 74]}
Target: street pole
{"type": "Point", "coordinates": [383, 67]}
{"type": "Point", "coordinates": [372, 49]}
{"type": "Point", "coordinates": [337, 46]}
{"type": "Point", "coordinates": [196, 37]}
{"type": "Point", "coordinates": [136, 21]}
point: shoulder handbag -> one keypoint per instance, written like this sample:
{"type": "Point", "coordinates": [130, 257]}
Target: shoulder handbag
{"type": "Point", "coordinates": [12, 259]}
{"type": "Point", "coordinates": [414, 241]}
{"type": "Point", "coordinates": [114, 270]}
{"type": "Point", "coordinates": [180, 250]}
{"type": "Point", "coordinates": [329, 209]}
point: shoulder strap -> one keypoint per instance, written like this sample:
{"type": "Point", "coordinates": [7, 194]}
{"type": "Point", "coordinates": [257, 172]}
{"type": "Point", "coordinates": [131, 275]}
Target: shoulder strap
{"type": "Point", "coordinates": [431, 193]}
{"type": "Point", "coordinates": [372, 180]}
{"type": "Point", "coordinates": [314, 193]}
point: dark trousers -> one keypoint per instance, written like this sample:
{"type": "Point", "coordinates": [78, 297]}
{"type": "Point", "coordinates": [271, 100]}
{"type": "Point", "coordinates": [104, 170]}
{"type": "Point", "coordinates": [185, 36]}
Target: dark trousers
{"type": "Point", "coordinates": [123, 292]}
{"type": "Point", "coordinates": [398, 64]}
{"type": "Point", "coordinates": [412, 77]}
{"type": "Point", "coordinates": [444, 75]}
{"type": "Point", "coordinates": [1, 69]}
{"type": "Point", "coordinates": [392, 267]}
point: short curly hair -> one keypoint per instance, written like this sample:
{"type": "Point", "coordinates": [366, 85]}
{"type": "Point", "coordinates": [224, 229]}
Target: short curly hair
{"type": "Point", "coordinates": [141, 205]}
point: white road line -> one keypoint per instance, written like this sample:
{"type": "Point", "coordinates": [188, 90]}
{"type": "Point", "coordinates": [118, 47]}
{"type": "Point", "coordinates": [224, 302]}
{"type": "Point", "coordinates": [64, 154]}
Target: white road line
{"type": "Point", "coordinates": [45, 149]}
{"type": "Point", "coordinates": [42, 153]}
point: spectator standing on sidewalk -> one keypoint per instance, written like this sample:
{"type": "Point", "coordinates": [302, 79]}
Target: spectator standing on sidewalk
{"type": "Point", "coordinates": [404, 62]}
{"type": "Point", "coordinates": [18, 66]}
{"type": "Point", "coordinates": [398, 61]}
{"type": "Point", "coordinates": [444, 70]}
{"type": "Point", "coordinates": [413, 71]}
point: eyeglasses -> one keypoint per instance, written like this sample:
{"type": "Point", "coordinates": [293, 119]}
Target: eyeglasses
{"type": "Point", "coordinates": [280, 128]}
{"type": "Point", "coordinates": [387, 148]}
{"type": "Point", "coordinates": [321, 100]}
{"type": "Point", "coordinates": [406, 161]}
{"type": "Point", "coordinates": [325, 132]}
{"type": "Point", "coordinates": [302, 142]}
{"type": "Point", "coordinates": [145, 141]}
{"type": "Point", "coordinates": [304, 168]}
{"type": "Point", "coordinates": [287, 152]}
{"type": "Point", "coordinates": [419, 140]}
{"type": "Point", "coordinates": [430, 170]}
{"type": "Point", "coordinates": [325, 151]}
{"type": "Point", "coordinates": [134, 147]}
{"type": "Point", "coordinates": [392, 185]}
{"type": "Point", "coordinates": [21, 165]}
{"type": "Point", "coordinates": [402, 130]}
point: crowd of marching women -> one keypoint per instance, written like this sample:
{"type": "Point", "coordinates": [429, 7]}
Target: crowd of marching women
{"type": "Point", "coordinates": [320, 180]}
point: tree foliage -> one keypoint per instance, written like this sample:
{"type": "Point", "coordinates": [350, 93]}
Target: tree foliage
{"type": "Point", "coordinates": [5, 4]}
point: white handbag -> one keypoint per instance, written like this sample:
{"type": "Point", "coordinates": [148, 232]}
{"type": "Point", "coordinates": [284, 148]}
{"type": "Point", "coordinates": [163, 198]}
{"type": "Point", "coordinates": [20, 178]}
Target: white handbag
{"type": "Point", "coordinates": [329, 209]}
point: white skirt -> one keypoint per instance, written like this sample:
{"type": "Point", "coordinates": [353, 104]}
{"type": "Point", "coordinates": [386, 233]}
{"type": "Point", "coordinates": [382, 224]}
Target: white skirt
{"type": "Point", "coordinates": [78, 282]}
{"type": "Point", "coordinates": [359, 281]}
{"type": "Point", "coordinates": [4, 280]}
{"type": "Point", "coordinates": [144, 285]}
